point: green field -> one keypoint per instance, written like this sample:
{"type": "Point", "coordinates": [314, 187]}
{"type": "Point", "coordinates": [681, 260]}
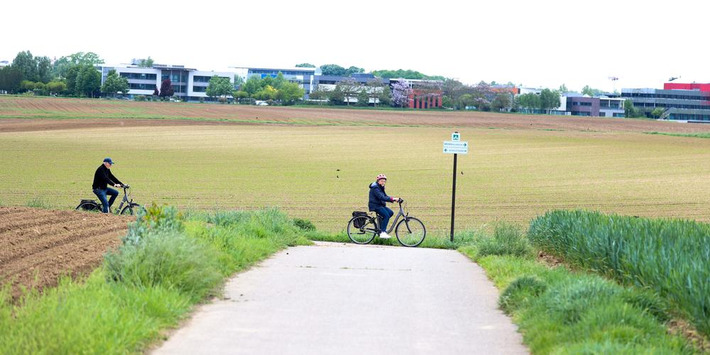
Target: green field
{"type": "Point", "coordinates": [322, 172]}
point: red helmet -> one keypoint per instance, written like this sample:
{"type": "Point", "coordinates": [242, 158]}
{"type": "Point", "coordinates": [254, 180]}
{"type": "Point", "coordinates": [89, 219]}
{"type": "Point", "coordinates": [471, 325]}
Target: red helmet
{"type": "Point", "coordinates": [381, 176]}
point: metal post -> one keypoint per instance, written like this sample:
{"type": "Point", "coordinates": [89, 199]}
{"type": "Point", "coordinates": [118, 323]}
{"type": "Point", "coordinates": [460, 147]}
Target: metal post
{"type": "Point", "coordinates": [453, 200]}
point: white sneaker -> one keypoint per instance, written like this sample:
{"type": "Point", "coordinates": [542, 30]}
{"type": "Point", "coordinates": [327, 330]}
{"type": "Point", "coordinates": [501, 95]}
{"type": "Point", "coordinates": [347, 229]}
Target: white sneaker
{"type": "Point", "coordinates": [384, 235]}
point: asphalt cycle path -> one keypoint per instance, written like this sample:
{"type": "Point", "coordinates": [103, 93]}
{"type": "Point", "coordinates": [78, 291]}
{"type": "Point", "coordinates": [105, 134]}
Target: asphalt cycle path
{"type": "Point", "coordinates": [335, 298]}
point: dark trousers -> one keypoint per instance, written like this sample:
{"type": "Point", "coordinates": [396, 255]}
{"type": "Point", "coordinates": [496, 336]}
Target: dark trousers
{"type": "Point", "coordinates": [385, 214]}
{"type": "Point", "coordinates": [101, 193]}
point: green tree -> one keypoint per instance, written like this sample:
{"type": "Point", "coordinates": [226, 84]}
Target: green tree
{"type": "Point", "coordinates": [501, 101]}
{"type": "Point", "coordinates": [657, 112]}
{"type": "Point", "coordinates": [279, 81]}
{"type": "Point", "coordinates": [88, 81]}
{"type": "Point", "coordinates": [332, 69]}
{"type": "Point", "coordinates": [549, 99]}
{"type": "Point", "coordinates": [305, 65]}
{"type": "Point", "coordinates": [349, 87]}
{"type": "Point", "coordinates": [252, 86]}
{"type": "Point", "coordinates": [363, 98]}
{"type": "Point", "coordinates": [266, 93]}
{"type": "Point", "coordinates": [10, 79]}
{"type": "Point", "coordinates": [63, 64]}
{"type": "Point", "coordinates": [56, 87]}
{"type": "Point", "coordinates": [44, 69]}
{"type": "Point", "coordinates": [26, 64]}
{"type": "Point", "coordinates": [630, 111]}
{"type": "Point", "coordinates": [563, 89]}
{"type": "Point", "coordinates": [145, 63]}
{"type": "Point", "coordinates": [115, 83]}
{"type": "Point", "coordinates": [289, 93]}
{"type": "Point", "coordinates": [336, 96]}
{"type": "Point", "coordinates": [588, 90]}
{"type": "Point", "coordinates": [219, 86]}
{"type": "Point", "coordinates": [238, 81]}
{"type": "Point", "coordinates": [529, 102]}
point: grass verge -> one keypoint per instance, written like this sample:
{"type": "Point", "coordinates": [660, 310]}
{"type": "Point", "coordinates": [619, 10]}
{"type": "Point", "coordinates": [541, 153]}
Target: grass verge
{"type": "Point", "coordinates": [560, 311]}
{"type": "Point", "coordinates": [167, 263]}
{"type": "Point", "coordinates": [667, 255]}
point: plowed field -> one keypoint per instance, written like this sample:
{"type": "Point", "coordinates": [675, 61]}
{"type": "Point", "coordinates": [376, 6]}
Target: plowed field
{"type": "Point", "coordinates": [37, 246]}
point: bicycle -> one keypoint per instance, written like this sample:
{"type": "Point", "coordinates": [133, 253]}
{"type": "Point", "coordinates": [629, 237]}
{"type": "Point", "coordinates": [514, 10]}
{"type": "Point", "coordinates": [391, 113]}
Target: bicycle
{"type": "Point", "coordinates": [94, 206]}
{"type": "Point", "coordinates": [364, 227]}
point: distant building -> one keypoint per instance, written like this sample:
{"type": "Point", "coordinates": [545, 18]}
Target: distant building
{"type": "Point", "coordinates": [188, 84]}
{"type": "Point", "coordinates": [582, 105]}
{"type": "Point", "coordinates": [682, 102]}
{"type": "Point", "coordinates": [424, 93]}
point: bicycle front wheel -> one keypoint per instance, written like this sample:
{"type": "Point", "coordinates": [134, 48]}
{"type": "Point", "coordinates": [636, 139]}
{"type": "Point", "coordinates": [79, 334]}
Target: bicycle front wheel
{"type": "Point", "coordinates": [361, 230]}
{"type": "Point", "coordinates": [410, 232]}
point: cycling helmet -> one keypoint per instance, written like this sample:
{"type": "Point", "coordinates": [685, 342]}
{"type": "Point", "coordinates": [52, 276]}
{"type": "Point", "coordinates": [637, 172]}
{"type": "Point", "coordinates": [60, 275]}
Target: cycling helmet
{"type": "Point", "coordinates": [381, 176]}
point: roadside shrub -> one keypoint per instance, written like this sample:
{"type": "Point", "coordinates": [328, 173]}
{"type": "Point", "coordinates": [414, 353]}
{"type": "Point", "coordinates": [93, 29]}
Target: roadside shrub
{"type": "Point", "coordinates": [520, 291]}
{"type": "Point", "coordinates": [139, 98]}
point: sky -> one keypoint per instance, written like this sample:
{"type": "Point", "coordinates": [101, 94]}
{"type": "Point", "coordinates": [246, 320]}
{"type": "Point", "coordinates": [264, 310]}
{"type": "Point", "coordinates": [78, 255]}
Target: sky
{"type": "Point", "coordinates": [543, 43]}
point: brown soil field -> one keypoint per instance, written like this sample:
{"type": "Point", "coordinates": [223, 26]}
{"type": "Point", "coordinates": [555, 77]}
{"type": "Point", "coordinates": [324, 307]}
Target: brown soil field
{"type": "Point", "coordinates": [64, 113]}
{"type": "Point", "coordinates": [38, 246]}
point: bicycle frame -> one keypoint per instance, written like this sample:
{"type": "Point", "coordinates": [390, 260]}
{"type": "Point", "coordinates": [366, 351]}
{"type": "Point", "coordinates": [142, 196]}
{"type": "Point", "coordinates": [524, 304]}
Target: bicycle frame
{"type": "Point", "coordinates": [393, 223]}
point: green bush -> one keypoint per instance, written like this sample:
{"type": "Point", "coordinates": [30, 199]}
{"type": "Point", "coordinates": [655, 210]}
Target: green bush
{"type": "Point", "coordinates": [666, 255]}
{"type": "Point", "coordinates": [139, 98]}
{"type": "Point", "coordinates": [166, 259]}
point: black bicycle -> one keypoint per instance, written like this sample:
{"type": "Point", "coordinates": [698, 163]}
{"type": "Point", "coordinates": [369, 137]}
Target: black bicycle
{"type": "Point", "coordinates": [364, 227]}
{"type": "Point", "coordinates": [127, 206]}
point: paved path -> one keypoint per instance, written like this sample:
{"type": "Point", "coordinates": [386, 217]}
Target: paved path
{"type": "Point", "coordinates": [337, 298]}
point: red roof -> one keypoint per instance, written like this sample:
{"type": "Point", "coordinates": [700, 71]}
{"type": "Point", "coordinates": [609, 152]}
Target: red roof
{"type": "Point", "coordinates": [681, 86]}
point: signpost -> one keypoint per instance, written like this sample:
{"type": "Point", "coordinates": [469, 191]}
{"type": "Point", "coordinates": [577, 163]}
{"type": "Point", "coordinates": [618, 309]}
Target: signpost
{"type": "Point", "coordinates": [455, 146]}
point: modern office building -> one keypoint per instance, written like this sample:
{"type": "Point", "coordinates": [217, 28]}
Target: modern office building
{"type": "Point", "coordinates": [681, 102]}
{"type": "Point", "coordinates": [582, 105]}
{"type": "Point", "coordinates": [188, 84]}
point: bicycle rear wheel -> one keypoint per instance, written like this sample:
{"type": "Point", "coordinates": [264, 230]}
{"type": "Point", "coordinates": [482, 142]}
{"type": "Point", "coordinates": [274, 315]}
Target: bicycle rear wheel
{"type": "Point", "coordinates": [363, 234]}
{"type": "Point", "coordinates": [410, 232]}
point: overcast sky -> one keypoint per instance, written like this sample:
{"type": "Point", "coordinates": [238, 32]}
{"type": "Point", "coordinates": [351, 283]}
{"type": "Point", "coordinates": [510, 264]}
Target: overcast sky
{"type": "Point", "coordinates": [542, 43]}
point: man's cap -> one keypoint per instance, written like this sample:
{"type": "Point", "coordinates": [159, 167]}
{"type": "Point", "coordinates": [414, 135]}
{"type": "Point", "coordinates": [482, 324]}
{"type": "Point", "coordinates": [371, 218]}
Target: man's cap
{"type": "Point", "coordinates": [108, 160]}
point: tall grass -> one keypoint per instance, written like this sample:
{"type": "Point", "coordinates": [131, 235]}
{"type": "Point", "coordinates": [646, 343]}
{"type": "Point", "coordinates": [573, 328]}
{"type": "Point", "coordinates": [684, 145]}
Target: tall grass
{"type": "Point", "coordinates": [168, 262]}
{"type": "Point", "coordinates": [564, 312]}
{"type": "Point", "coordinates": [667, 255]}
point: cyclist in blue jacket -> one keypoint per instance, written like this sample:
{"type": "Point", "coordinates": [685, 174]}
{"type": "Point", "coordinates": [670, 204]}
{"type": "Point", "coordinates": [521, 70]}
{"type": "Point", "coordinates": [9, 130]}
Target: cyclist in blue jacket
{"type": "Point", "coordinates": [378, 203]}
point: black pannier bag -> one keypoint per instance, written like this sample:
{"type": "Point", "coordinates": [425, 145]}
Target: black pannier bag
{"type": "Point", "coordinates": [358, 223]}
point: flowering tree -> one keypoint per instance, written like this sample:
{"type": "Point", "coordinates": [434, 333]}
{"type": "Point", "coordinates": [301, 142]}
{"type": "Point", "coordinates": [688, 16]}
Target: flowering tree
{"type": "Point", "coordinates": [400, 93]}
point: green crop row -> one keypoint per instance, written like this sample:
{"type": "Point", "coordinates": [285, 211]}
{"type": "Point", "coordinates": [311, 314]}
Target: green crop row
{"type": "Point", "coordinates": [668, 255]}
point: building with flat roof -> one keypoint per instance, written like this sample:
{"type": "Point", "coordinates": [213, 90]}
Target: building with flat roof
{"type": "Point", "coordinates": [680, 102]}
{"type": "Point", "coordinates": [188, 84]}
{"type": "Point", "coordinates": [601, 106]}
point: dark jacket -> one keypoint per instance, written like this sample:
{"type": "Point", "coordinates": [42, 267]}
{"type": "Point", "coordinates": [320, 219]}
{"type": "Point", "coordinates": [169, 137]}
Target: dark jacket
{"type": "Point", "coordinates": [103, 177]}
{"type": "Point", "coordinates": [378, 197]}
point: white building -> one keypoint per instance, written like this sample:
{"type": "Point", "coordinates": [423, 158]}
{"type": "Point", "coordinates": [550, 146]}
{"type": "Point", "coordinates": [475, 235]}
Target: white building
{"type": "Point", "coordinates": [188, 84]}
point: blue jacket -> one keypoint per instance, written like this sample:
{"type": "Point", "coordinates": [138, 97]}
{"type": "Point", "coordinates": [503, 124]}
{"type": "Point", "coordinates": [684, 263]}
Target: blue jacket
{"type": "Point", "coordinates": [378, 197]}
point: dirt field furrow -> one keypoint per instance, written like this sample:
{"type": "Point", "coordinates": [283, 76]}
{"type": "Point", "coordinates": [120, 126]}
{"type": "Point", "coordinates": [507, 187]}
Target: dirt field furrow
{"type": "Point", "coordinates": [38, 246]}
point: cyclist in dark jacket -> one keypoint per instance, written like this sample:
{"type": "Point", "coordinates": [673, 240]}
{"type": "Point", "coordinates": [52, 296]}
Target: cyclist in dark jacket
{"type": "Point", "coordinates": [102, 178]}
{"type": "Point", "coordinates": [378, 203]}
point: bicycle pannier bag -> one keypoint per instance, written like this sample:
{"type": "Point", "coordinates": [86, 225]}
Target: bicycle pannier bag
{"type": "Point", "coordinates": [360, 221]}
